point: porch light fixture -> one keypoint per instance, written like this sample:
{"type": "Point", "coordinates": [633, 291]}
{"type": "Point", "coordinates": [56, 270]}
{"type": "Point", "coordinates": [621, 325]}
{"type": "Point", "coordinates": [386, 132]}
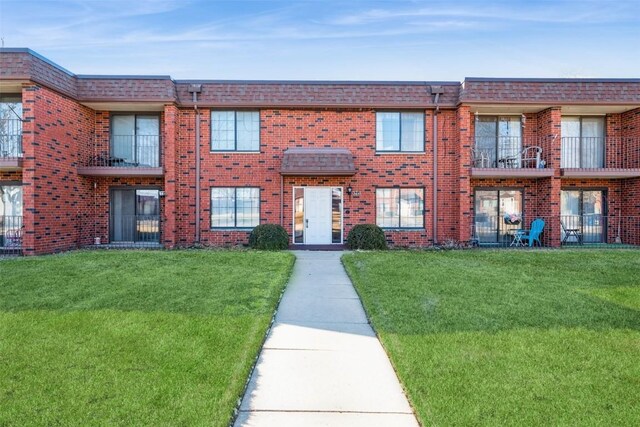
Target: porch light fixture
{"type": "Point", "coordinates": [349, 190]}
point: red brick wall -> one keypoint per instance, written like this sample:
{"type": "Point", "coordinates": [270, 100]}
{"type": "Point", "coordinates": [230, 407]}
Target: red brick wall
{"type": "Point", "coordinates": [284, 128]}
{"type": "Point", "coordinates": [64, 210]}
{"type": "Point", "coordinates": [630, 133]}
{"type": "Point", "coordinates": [54, 195]}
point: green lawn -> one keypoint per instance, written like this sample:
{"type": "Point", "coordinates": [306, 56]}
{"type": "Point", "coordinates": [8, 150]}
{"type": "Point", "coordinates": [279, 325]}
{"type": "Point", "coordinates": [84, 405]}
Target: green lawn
{"type": "Point", "coordinates": [509, 337]}
{"type": "Point", "coordinates": [132, 337]}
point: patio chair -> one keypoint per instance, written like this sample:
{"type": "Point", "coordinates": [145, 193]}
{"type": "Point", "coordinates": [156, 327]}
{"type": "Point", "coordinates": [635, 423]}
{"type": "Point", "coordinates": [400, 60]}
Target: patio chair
{"type": "Point", "coordinates": [533, 234]}
{"type": "Point", "coordinates": [13, 238]}
{"type": "Point", "coordinates": [481, 158]}
{"type": "Point", "coordinates": [531, 157]}
{"type": "Point", "coordinates": [571, 232]}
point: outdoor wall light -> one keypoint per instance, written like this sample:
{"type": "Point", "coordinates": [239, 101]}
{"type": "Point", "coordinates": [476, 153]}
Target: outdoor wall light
{"type": "Point", "coordinates": [349, 190]}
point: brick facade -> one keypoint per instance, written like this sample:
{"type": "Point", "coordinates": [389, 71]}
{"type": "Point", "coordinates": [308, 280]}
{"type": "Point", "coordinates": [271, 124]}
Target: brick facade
{"type": "Point", "coordinates": [67, 122]}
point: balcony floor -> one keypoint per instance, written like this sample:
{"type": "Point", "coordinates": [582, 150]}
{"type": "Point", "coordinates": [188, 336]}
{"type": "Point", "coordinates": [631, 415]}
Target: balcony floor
{"type": "Point", "coordinates": [603, 173]}
{"type": "Point", "coordinates": [120, 171]}
{"type": "Point", "coordinates": [10, 164]}
{"type": "Point", "coordinates": [512, 172]}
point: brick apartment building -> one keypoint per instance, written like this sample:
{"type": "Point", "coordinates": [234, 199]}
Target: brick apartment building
{"type": "Point", "coordinates": [147, 160]}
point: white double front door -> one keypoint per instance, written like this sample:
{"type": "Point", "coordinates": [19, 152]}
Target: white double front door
{"type": "Point", "coordinates": [322, 212]}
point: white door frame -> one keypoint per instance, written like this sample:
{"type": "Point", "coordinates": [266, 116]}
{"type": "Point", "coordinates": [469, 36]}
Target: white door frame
{"type": "Point", "coordinates": [293, 207]}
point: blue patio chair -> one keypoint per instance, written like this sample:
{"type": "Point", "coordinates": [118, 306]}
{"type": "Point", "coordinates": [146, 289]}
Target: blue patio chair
{"type": "Point", "coordinates": [533, 234]}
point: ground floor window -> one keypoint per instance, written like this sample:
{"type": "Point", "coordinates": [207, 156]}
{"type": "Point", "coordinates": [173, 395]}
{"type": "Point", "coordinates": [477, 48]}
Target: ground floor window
{"type": "Point", "coordinates": [233, 207]}
{"type": "Point", "coordinates": [400, 207]}
{"type": "Point", "coordinates": [583, 216]}
{"type": "Point", "coordinates": [498, 212]}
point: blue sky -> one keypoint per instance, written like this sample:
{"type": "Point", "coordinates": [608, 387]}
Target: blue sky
{"type": "Point", "coordinates": [329, 40]}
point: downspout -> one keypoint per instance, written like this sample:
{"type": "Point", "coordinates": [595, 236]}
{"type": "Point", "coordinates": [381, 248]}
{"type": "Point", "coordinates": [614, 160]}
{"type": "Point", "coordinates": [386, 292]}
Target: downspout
{"type": "Point", "coordinates": [195, 90]}
{"type": "Point", "coordinates": [281, 200]}
{"type": "Point", "coordinates": [436, 91]}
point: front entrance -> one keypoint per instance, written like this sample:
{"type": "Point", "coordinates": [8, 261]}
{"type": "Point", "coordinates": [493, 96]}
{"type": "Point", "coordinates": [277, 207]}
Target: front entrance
{"type": "Point", "coordinates": [135, 216]}
{"type": "Point", "coordinates": [317, 215]}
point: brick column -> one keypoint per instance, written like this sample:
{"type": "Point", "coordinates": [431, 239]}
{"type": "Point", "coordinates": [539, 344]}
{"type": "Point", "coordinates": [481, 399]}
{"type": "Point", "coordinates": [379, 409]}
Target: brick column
{"type": "Point", "coordinates": [549, 124]}
{"type": "Point", "coordinates": [28, 168]}
{"type": "Point", "coordinates": [465, 143]}
{"type": "Point", "coordinates": [169, 146]}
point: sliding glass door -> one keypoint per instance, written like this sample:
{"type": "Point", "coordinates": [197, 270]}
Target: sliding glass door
{"type": "Point", "coordinates": [135, 215]}
{"type": "Point", "coordinates": [10, 215]}
{"type": "Point", "coordinates": [497, 214]}
{"type": "Point", "coordinates": [582, 142]}
{"type": "Point", "coordinates": [499, 139]}
{"type": "Point", "coordinates": [583, 215]}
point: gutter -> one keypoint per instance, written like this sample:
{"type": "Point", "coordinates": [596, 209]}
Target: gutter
{"type": "Point", "coordinates": [195, 90]}
{"type": "Point", "coordinates": [436, 91]}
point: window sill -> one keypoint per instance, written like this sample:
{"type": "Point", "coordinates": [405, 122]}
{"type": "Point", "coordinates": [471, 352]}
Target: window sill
{"type": "Point", "coordinates": [234, 152]}
{"type": "Point", "coordinates": [247, 229]}
{"type": "Point", "coordinates": [403, 228]}
{"type": "Point", "coordinates": [401, 152]}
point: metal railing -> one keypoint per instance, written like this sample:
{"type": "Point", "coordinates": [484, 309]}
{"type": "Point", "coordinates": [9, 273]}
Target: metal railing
{"type": "Point", "coordinates": [587, 230]}
{"type": "Point", "coordinates": [494, 230]}
{"type": "Point", "coordinates": [505, 152]}
{"type": "Point", "coordinates": [10, 138]}
{"type": "Point", "coordinates": [598, 229]}
{"type": "Point", "coordinates": [129, 151]}
{"type": "Point", "coordinates": [11, 233]}
{"type": "Point", "coordinates": [134, 230]}
{"type": "Point", "coordinates": [598, 152]}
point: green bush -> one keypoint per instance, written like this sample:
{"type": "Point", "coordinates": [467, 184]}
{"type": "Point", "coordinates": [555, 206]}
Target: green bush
{"type": "Point", "coordinates": [366, 236]}
{"type": "Point", "coordinates": [272, 237]}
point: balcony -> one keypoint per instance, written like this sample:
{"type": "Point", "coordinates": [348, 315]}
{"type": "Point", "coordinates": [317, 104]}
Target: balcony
{"type": "Point", "coordinates": [10, 234]}
{"type": "Point", "coordinates": [507, 157]}
{"type": "Point", "coordinates": [136, 156]}
{"type": "Point", "coordinates": [597, 157]}
{"type": "Point", "coordinates": [10, 144]}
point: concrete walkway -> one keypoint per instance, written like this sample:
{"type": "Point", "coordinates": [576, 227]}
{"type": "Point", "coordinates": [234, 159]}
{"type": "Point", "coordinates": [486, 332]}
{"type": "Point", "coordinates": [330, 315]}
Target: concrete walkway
{"type": "Point", "coordinates": [322, 364]}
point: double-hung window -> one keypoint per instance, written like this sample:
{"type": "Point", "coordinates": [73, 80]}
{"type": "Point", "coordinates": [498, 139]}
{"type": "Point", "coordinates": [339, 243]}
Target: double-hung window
{"type": "Point", "coordinates": [235, 207]}
{"type": "Point", "coordinates": [403, 132]}
{"type": "Point", "coordinates": [235, 131]}
{"type": "Point", "coordinates": [400, 207]}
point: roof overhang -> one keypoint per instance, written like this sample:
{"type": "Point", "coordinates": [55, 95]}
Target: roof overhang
{"type": "Point", "coordinates": [318, 162]}
{"type": "Point", "coordinates": [125, 106]}
{"type": "Point", "coordinates": [595, 108]}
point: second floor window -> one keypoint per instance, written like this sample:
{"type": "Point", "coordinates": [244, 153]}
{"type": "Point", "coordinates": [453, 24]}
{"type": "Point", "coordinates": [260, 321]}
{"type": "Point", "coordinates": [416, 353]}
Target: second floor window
{"type": "Point", "coordinates": [235, 131]}
{"type": "Point", "coordinates": [10, 126]}
{"type": "Point", "coordinates": [399, 132]}
{"type": "Point", "coordinates": [135, 140]}
{"type": "Point", "coordinates": [498, 139]}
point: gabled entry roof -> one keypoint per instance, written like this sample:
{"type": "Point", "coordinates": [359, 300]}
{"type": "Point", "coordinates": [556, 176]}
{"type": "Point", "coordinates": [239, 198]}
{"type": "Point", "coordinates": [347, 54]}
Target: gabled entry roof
{"type": "Point", "coordinates": [318, 161]}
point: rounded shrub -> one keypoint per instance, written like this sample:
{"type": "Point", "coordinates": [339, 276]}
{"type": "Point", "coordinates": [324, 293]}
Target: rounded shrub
{"type": "Point", "coordinates": [271, 237]}
{"type": "Point", "coordinates": [366, 236]}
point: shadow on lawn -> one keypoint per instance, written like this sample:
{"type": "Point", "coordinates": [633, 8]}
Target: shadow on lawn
{"type": "Point", "coordinates": [185, 282]}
